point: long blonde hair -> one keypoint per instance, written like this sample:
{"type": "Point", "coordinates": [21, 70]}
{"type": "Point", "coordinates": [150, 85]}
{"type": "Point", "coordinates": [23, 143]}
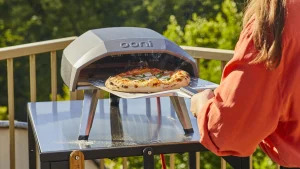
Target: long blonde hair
{"type": "Point", "coordinates": [268, 27]}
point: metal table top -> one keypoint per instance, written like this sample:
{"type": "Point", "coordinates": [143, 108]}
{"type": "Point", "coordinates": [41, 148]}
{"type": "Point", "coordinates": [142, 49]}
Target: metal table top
{"type": "Point", "coordinates": [132, 124]}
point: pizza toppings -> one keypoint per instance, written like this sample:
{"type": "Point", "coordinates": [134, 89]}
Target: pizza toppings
{"type": "Point", "coordinates": [148, 80]}
{"type": "Point", "coordinates": [147, 74]}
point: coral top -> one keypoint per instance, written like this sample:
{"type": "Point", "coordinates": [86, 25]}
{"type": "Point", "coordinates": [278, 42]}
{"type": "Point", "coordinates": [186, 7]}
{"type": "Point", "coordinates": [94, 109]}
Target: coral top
{"type": "Point", "coordinates": [255, 106]}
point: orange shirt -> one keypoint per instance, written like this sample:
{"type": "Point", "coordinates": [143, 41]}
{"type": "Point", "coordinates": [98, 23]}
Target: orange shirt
{"type": "Point", "coordinates": [255, 106]}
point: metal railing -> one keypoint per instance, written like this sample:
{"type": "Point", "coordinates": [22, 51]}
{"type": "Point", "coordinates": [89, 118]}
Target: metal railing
{"type": "Point", "coordinates": [51, 47]}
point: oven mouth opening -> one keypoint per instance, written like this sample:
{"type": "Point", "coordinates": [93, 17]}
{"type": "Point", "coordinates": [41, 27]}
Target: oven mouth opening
{"type": "Point", "coordinates": [115, 64]}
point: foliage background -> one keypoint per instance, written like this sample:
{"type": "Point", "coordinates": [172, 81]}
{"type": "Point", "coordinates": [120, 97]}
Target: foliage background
{"type": "Point", "coordinates": [205, 23]}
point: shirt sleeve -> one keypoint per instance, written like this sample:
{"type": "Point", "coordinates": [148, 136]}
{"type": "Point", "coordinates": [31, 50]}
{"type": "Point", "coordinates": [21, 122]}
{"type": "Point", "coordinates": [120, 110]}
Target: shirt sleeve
{"type": "Point", "coordinates": [244, 110]}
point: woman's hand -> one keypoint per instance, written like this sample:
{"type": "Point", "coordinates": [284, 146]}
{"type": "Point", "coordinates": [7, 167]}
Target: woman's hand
{"type": "Point", "coordinates": [199, 100]}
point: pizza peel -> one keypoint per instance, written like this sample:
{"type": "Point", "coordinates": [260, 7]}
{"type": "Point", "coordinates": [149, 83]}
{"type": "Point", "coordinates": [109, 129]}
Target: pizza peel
{"type": "Point", "coordinates": [196, 85]}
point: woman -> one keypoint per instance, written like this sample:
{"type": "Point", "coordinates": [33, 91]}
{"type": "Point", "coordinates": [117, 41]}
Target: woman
{"type": "Point", "coordinates": [258, 100]}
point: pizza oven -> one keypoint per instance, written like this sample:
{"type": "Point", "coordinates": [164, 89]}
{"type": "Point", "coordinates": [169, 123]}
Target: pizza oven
{"type": "Point", "coordinates": [100, 53]}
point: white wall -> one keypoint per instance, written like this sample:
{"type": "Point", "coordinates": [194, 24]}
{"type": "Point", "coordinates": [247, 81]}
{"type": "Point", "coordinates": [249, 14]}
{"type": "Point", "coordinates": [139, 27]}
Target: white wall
{"type": "Point", "coordinates": [21, 148]}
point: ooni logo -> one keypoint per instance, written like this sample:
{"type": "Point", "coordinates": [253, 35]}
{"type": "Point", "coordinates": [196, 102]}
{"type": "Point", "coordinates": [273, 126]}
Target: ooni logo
{"type": "Point", "coordinates": [136, 44]}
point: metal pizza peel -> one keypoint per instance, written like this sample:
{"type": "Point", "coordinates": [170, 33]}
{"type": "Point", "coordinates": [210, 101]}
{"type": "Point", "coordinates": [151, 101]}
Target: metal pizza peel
{"type": "Point", "coordinates": [196, 85]}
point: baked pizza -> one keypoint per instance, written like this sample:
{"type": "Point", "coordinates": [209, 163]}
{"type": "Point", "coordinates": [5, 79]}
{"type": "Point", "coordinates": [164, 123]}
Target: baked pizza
{"type": "Point", "coordinates": [147, 80]}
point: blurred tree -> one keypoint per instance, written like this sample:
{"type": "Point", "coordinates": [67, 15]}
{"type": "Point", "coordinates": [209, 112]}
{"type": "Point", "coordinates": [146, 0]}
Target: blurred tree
{"type": "Point", "coordinates": [7, 38]}
{"type": "Point", "coordinates": [3, 115]}
{"type": "Point", "coordinates": [221, 32]}
{"type": "Point", "coordinates": [36, 20]}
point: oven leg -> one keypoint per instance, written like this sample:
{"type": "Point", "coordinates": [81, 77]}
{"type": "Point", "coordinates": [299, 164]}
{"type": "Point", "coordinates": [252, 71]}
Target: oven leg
{"type": "Point", "coordinates": [182, 113]}
{"type": "Point", "coordinates": [116, 125]}
{"type": "Point", "coordinates": [88, 112]}
{"type": "Point", "coordinates": [114, 100]}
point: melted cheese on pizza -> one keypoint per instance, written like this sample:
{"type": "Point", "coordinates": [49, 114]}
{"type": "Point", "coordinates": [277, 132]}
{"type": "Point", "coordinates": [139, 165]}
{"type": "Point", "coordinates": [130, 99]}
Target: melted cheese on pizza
{"type": "Point", "coordinates": [149, 75]}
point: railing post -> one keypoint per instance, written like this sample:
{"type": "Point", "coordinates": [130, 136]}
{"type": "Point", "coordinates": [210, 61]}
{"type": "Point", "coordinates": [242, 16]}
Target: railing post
{"type": "Point", "coordinates": [76, 95]}
{"type": "Point", "coordinates": [102, 164]}
{"type": "Point", "coordinates": [198, 65]}
{"type": "Point", "coordinates": [197, 160]}
{"type": "Point", "coordinates": [53, 75]}
{"type": "Point", "coordinates": [223, 64]}
{"type": "Point", "coordinates": [124, 163]}
{"type": "Point", "coordinates": [100, 94]}
{"type": "Point", "coordinates": [32, 72]}
{"type": "Point", "coordinates": [250, 162]}
{"type": "Point", "coordinates": [223, 164]}
{"type": "Point", "coordinates": [11, 111]}
{"type": "Point", "coordinates": [172, 161]}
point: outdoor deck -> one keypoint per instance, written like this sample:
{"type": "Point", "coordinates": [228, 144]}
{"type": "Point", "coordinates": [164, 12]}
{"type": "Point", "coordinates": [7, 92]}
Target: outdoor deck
{"type": "Point", "coordinates": [32, 51]}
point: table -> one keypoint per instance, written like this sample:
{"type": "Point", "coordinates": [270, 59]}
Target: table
{"type": "Point", "coordinates": [134, 128]}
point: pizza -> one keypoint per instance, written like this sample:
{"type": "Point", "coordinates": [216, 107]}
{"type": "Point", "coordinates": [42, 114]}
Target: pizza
{"type": "Point", "coordinates": [147, 80]}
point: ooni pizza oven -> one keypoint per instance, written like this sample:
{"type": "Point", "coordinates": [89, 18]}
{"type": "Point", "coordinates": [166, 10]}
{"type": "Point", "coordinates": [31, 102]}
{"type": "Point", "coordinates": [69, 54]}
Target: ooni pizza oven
{"type": "Point", "coordinates": [100, 53]}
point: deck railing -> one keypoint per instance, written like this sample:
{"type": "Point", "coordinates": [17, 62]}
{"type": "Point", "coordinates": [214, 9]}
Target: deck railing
{"type": "Point", "coordinates": [51, 47]}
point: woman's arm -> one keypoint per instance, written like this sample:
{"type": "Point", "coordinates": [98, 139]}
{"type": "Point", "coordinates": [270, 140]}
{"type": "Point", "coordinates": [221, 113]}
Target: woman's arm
{"type": "Point", "coordinates": [245, 107]}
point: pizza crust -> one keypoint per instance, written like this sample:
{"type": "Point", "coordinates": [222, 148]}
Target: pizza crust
{"type": "Point", "coordinates": [138, 81]}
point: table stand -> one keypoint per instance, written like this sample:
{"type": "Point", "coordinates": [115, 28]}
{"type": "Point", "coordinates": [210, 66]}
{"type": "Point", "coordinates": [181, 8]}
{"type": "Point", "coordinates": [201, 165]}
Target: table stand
{"type": "Point", "coordinates": [133, 129]}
